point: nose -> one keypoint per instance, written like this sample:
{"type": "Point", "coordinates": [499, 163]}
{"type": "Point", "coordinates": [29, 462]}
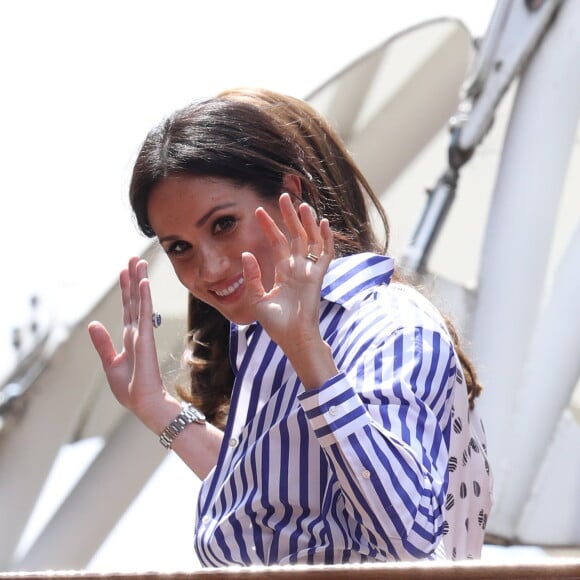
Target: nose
{"type": "Point", "coordinates": [212, 264]}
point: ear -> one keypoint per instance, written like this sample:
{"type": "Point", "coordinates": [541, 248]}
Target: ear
{"type": "Point", "coordinates": [292, 184]}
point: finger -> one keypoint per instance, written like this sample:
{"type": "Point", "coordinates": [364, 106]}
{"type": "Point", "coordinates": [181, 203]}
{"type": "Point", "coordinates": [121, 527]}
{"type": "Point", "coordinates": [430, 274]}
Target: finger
{"type": "Point", "coordinates": [327, 240]}
{"type": "Point", "coordinates": [296, 232]}
{"type": "Point", "coordinates": [103, 344]}
{"type": "Point", "coordinates": [145, 307]}
{"type": "Point", "coordinates": [312, 229]}
{"type": "Point", "coordinates": [145, 326]}
{"type": "Point", "coordinates": [278, 241]}
{"type": "Point", "coordinates": [141, 273]}
{"type": "Point", "coordinates": [252, 276]}
{"type": "Point", "coordinates": [125, 284]}
{"type": "Point", "coordinates": [133, 291]}
{"type": "Point", "coordinates": [145, 351]}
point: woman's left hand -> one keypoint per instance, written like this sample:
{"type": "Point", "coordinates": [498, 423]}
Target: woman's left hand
{"type": "Point", "coordinates": [290, 311]}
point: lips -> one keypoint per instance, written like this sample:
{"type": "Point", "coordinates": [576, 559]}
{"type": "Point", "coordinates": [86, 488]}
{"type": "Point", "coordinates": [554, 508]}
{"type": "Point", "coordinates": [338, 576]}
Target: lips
{"type": "Point", "coordinates": [225, 292]}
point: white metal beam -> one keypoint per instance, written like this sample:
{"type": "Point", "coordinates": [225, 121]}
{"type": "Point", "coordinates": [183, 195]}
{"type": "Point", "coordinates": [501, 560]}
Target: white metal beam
{"type": "Point", "coordinates": [519, 234]}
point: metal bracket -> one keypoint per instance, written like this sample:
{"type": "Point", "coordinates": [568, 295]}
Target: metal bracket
{"type": "Point", "coordinates": [516, 27]}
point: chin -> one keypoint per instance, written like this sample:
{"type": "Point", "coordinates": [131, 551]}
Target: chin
{"type": "Point", "coordinates": [240, 319]}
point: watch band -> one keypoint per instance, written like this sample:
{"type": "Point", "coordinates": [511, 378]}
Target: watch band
{"type": "Point", "coordinates": [189, 414]}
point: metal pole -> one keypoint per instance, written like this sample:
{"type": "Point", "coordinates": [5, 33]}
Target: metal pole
{"type": "Point", "coordinates": [520, 229]}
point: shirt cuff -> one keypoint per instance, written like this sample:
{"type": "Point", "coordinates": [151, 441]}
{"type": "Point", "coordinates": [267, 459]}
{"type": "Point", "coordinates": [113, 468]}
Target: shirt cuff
{"type": "Point", "coordinates": [334, 411]}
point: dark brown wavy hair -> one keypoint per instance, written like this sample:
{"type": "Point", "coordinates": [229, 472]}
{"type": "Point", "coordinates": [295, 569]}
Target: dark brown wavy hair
{"type": "Point", "coordinates": [255, 137]}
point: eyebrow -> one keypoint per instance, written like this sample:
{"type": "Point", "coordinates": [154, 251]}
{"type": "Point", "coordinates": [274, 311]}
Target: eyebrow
{"type": "Point", "coordinates": [203, 219]}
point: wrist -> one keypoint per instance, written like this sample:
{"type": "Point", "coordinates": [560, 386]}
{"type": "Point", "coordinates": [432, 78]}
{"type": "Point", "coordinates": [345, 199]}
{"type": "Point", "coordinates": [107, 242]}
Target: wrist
{"type": "Point", "coordinates": [188, 415]}
{"type": "Point", "coordinates": [157, 412]}
{"type": "Point", "coordinates": [314, 364]}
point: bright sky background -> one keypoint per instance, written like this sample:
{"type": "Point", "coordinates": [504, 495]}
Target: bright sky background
{"type": "Point", "coordinates": [83, 81]}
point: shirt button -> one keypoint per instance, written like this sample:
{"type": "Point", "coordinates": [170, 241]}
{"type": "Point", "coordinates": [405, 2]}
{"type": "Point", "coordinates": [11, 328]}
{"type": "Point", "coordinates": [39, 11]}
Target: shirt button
{"type": "Point", "coordinates": [366, 474]}
{"type": "Point", "coordinates": [333, 410]}
{"type": "Point", "coordinates": [233, 442]}
{"type": "Point", "coordinates": [205, 520]}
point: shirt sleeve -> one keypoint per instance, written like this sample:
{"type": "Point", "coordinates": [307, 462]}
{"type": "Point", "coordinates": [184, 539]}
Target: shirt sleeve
{"type": "Point", "coordinates": [383, 423]}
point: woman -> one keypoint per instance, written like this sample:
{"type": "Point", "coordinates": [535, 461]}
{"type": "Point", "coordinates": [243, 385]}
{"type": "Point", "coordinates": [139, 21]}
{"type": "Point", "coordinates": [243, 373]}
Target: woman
{"type": "Point", "coordinates": [333, 393]}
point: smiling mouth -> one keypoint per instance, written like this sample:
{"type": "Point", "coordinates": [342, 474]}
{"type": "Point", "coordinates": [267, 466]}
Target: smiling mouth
{"type": "Point", "coordinates": [230, 289]}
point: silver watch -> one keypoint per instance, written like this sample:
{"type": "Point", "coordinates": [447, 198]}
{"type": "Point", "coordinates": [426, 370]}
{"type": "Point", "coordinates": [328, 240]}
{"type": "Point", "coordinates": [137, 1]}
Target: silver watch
{"type": "Point", "coordinates": [189, 414]}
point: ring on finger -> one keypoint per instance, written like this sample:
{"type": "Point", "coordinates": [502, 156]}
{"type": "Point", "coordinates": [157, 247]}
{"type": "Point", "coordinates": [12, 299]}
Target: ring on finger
{"type": "Point", "coordinates": [156, 320]}
{"type": "Point", "coordinates": [312, 257]}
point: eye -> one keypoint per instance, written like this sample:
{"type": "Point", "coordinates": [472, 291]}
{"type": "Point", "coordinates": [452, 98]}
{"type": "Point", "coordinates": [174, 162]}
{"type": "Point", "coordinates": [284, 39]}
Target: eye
{"type": "Point", "coordinates": [224, 224]}
{"type": "Point", "coordinates": [177, 248]}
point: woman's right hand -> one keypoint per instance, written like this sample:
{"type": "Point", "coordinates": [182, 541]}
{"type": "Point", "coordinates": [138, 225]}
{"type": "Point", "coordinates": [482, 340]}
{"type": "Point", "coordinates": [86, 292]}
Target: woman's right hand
{"type": "Point", "coordinates": [134, 377]}
{"type": "Point", "coordinates": [133, 373]}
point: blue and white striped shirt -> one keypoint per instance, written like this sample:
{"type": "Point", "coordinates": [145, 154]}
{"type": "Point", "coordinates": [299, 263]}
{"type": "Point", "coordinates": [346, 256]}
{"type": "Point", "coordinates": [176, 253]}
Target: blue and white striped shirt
{"type": "Point", "coordinates": [355, 471]}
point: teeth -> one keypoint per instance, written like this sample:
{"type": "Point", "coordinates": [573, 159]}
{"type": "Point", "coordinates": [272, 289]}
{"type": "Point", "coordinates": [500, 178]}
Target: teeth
{"type": "Point", "coordinates": [230, 289]}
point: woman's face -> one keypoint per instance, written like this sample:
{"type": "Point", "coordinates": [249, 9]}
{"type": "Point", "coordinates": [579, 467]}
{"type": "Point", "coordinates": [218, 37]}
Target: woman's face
{"type": "Point", "coordinates": [204, 224]}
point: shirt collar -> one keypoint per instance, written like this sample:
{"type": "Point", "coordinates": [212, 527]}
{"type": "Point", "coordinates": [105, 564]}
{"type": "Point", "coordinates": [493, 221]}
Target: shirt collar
{"type": "Point", "coordinates": [348, 276]}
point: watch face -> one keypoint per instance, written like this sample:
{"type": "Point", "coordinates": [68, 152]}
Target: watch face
{"type": "Point", "coordinates": [195, 414]}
